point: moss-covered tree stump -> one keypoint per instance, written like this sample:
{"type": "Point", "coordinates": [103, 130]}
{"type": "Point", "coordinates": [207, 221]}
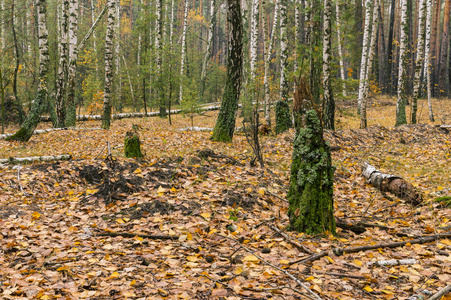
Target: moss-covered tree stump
{"type": "Point", "coordinates": [132, 145]}
{"type": "Point", "coordinates": [283, 117]}
{"type": "Point", "coordinates": [311, 182]}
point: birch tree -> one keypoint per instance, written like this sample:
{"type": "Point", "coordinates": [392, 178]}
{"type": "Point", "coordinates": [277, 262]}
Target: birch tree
{"type": "Point", "coordinates": [71, 116]}
{"type": "Point", "coordinates": [94, 42]}
{"type": "Point", "coordinates": [283, 118]}
{"type": "Point", "coordinates": [402, 84]}
{"type": "Point", "coordinates": [419, 60]}
{"type": "Point", "coordinates": [211, 30]}
{"type": "Point", "coordinates": [117, 62]}
{"type": "Point", "coordinates": [62, 67]}
{"type": "Point", "coordinates": [34, 116]}
{"type": "Point", "coordinates": [158, 50]}
{"type": "Point", "coordinates": [364, 61]}
{"type": "Point", "coordinates": [268, 42]}
{"type": "Point", "coordinates": [109, 53]}
{"type": "Point", "coordinates": [340, 50]}
{"type": "Point", "coordinates": [329, 104]}
{"type": "Point", "coordinates": [427, 65]}
{"type": "Point", "coordinates": [254, 38]}
{"type": "Point", "coordinates": [225, 123]}
{"type": "Point", "coordinates": [442, 66]}
{"type": "Point", "coordinates": [183, 56]}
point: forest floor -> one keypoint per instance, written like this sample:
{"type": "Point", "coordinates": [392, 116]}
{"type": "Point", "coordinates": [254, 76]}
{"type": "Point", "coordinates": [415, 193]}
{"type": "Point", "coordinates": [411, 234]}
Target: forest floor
{"type": "Point", "coordinates": [57, 223]}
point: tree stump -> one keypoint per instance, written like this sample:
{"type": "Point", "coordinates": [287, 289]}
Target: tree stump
{"type": "Point", "coordinates": [311, 182]}
{"type": "Point", "coordinates": [132, 145]}
{"type": "Point", "coordinates": [283, 117]}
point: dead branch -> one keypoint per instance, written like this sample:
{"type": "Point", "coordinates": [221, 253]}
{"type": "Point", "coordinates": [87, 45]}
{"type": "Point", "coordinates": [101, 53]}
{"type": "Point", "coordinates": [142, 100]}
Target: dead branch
{"type": "Point", "coordinates": [278, 197]}
{"type": "Point", "coordinates": [312, 294]}
{"type": "Point", "coordinates": [392, 184]}
{"type": "Point", "coordinates": [292, 241]}
{"type": "Point", "coordinates": [346, 275]}
{"type": "Point", "coordinates": [394, 262]}
{"type": "Point", "coordinates": [420, 240]}
{"type": "Point", "coordinates": [310, 258]}
{"type": "Point", "coordinates": [441, 293]}
{"type": "Point", "coordinates": [19, 160]}
{"type": "Point", "coordinates": [144, 236]}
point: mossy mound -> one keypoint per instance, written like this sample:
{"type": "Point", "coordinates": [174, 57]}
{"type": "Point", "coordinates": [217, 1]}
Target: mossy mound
{"type": "Point", "coordinates": [132, 145]}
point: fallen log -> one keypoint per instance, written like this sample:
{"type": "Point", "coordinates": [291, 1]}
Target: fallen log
{"type": "Point", "coordinates": [19, 160]}
{"type": "Point", "coordinates": [421, 240]}
{"type": "Point", "coordinates": [144, 236]}
{"type": "Point", "coordinates": [42, 131]}
{"type": "Point", "coordinates": [392, 184]}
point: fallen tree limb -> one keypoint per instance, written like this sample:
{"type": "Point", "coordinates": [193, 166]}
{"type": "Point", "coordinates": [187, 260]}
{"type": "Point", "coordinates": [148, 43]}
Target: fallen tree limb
{"type": "Point", "coordinates": [441, 293]}
{"type": "Point", "coordinates": [350, 227]}
{"type": "Point", "coordinates": [144, 236]}
{"type": "Point", "coordinates": [311, 295]}
{"type": "Point", "coordinates": [392, 184]}
{"type": "Point", "coordinates": [19, 160]}
{"type": "Point", "coordinates": [420, 240]}
{"type": "Point", "coordinates": [292, 241]}
{"type": "Point", "coordinates": [41, 131]}
{"type": "Point", "coordinates": [394, 262]}
{"type": "Point", "coordinates": [310, 258]}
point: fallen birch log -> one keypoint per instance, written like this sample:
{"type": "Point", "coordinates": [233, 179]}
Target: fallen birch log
{"type": "Point", "coordinates": [394, 262]}
{"type": "Point", "coordinates": [421, 240]}
{"type": "Point", "coordinates": [144, 236]}
{"type": "Point", "coordinates": [21, 160]}
{"type": "Point", "coordinates": [392, 184]}
{"type": "Point", "coordinates": [441, 293]}
{"type": "Point", "coordinates": [41, 131]}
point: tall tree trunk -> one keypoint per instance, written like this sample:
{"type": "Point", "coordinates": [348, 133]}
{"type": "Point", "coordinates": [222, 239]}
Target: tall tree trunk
{"type": "Point", "coordinates": [159, 51]}
{"type": "Point", "coordinates": [364, 62]}
{"type": "Point", "coordinates": [109, 53]}
{"type": "Point", "coordinates": [254, 38]}
{"type": "Point", "coordinates": [435, 47]}
{"type": "Point", "coordinates": [2, 26]}
{"type": "Point", "coordinates": [94, 42]}
{"type": "Point", "coordinates": [60, 105]}
{"type": "Point", "coordinates": [211, 30]}
{"type": "Point", "coordinates": [381, 51]}
{"type": "Point", "coordinates": [428, 53]}
{"type": "Point", "coordinates": [225, 123]}
{"type": "Point", "coordinates": [71, 116]}
{"type": "Point", "coordinates": [358, 29]}
{"type": "Point", "coordinates": [117, 48]}
{"type": "Point", "coordinates": [268, 41]}
{"type": "Point", "coordinates": [34, 116]}
{"type": "Point", "coordinates": [340, 51]}
{"type": "Point", "coordinates": [329, 103]}
{"type": "Point", "coordinates": [419, 60]}
{"type": "Point", "coordinates": [283, 118]}
{"type": "Point", "coordinates": [442, 74]}
{"type": "Point", "coordinates": [403, 61]}
{"type": "Point", "coordinates": [183, 56]}
{"type": "Point", "coordinates": [297, 33]}
{"type": "Point", "coordinates": [371, 50]}
{"type": "Point", "coordinates": [390, 53]}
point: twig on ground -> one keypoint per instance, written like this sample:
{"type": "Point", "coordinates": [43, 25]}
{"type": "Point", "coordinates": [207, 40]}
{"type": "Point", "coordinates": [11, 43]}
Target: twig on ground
{"type": "Point", "coordinates": [292, 241]}
{"type": "Point", "coordinates": [441, 293]}
{"type": "Point", "coordinates": [310, 258]}
{"type": "Point", "coordinates": [278, 197]}
{"type": "Point", "coordinates": [346, 275]}
{"type": "Point", "coordinates": [313, 295]}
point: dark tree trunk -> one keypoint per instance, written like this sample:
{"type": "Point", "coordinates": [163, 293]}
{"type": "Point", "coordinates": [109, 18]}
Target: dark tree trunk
{"type": "Point", "coordinates": [390, 45]}
{"type": "Point", "coordinates": [381, 52]}
{"type": "Point", "coordinates": [225, 124]}
{"type": "Point", "coordinates": [442, 78]}
{"type": "Point", "coordinates": [435, 46]}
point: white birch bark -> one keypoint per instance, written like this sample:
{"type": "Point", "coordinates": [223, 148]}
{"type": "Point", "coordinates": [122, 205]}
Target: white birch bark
{"type": "Point", "coordinates": [29, 30]}
{"type": "Point", "coordinates": [254, 37]}
{"type": "Point", "coordinates": [268, 42]}
{"type": "Point", "coordinates": [364, 61]}
{"type": "Point", "coordinates": [340, 51]}
{"type": "Point", "coordinates": [183, 56]}
{"type": "Point", "coordinates": [109, 53]}
{"type": "Point", "coordinates": [138, 60]}
{"type": "Point", "coordinates": [73, 55]}
{"type": "Point", "coordinates": [329, 114]}
{"type": "Point", "coordinates": [2, 25]}
{"type": "Point", "coordinates": [211, 30]}
{"type": "Point", "coordinates": [427, 67]}
{"type": "Point", "coordinates": [283, 51]}
{"type": "Point", "coordinates": [94, 37]}
{"type": "Point", "coordinates": [297, 32]}
{"type": "Point", "coordinates": [402, 97]}
{"type": "Point", "coordinates": [117, 63]}
{"type": "Point", "coordinates": [62, 67]}
{"type": "Point", "coordinates": [419, 61]}
{"type": "Point", "coordinates": [159, 28]}
{"type": "Point", "coordinates": [371, 50]}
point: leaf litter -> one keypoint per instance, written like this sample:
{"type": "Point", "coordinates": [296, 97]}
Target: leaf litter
{"type": "Point", "coordinates": [219, 215]}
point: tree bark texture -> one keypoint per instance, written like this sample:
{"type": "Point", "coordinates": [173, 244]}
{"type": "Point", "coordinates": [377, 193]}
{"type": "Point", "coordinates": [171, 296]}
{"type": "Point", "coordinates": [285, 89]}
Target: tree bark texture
{"type": "Point", "coordinates": [365, 47]}
{"type": "Point", "coordinates": [329, 103]}
{"type": "Point", "coordinates": [71, 114]}
{"type": "Point", "coordinates": [208, 53]}
{"type": "Point", "coordinates": [419, 60]}
{"type": "Point", "coordinates": [402, 71]}
{"type": "Point", "coordinates": [225, 124]}
{"type": "Point", "coordinates": [109, 53]}
{"type": "Point", "coordinates": [442, 72]}
{"type": "Point", "coordinates": [183, 55]}
{"type": "Point", "coordinates": [390, 45]}
{"type": "Point", "coordinates": [340, 51]}
{"type": "Point", "coordinates": [60, 105]}
{"type": "Point", "coordinates": [427, 62]}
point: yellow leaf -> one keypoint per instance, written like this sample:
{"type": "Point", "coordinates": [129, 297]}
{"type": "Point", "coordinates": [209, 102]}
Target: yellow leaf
{"type": "Point", "coordinates": [251, 258]}
{"type": "Point", "coordinates": [387, 292]}
{"type": "Point", "coordinates": [114, 275]}
{"type": "Point", "coordinates": [205, 215]}
{"type": "Point", "coordinates": [107, 257]}
{"type": "Point", "coordinates": [36, 215]}
{"type": "Point", "coordinates": [368, 289]}
{"type": "Point", "coordinates": [92, 274]}
{"type": "Point", "coordinates": [261, 192]}
{"type": "Point", "coordinates": [126, 219]}
{"type": "Point", "coordinates": [161, 190]}
{"type": "Point", "coordinates": [133, 282]}
{"type": "Point", "coordinates": [317, 288]}
{"type": "Point", "coordinates": [284, 262]}
{"type": "Point", "coordinates": [309, 278]}
{"type": "Point", "coordinates": [238, 271]}
{"type": "Point", "coordinates": [173, 190]}
{"type": "Point", "coordinates": [137, 171]}
{"type": "Point", "coordinates": [189, 236]}
{"type": "Point", "coordinates": [45, 297]}
{"type": "Point", "coordinates": [357, 262]}
{"type": "Point", "coordinates": [440, 188]}
{"type": "Point", "coordinates": [330, 259]}
{"type": "Point", "coordinates": [192, 258]}
{"type": "Point", "coordinates": [212, 231]}
{"type": "Point", "coordinates": [120, 221]}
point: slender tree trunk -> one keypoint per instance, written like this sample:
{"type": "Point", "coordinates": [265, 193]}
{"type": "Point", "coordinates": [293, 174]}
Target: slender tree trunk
{"type": "Point", "coordinates": [428, 53]}
{"type": "Point", "coordinates": [329, 103]}
{"type": "Point", "coordinates": [254, 38]}
{"type": "Point", "coordinates": [442, 74]}
{"type": "Point", "coordinates": [183, 56]}
{"type": "Point", "coordinates": [419, 60]}
{"type": "Point", "coordinates": [268, 41]}
{"type": "Point", "coordinates": [297, 33]}
{"type": "Point", "coordinates": [211, 30]}
{"type": "Point", "coordinates": [71, 116]}
{"type": "Point", "coordinates": [340, 51]}
{"type": "Point", "coordinates": [60, 105]}
{"type": "Point", "coordinates": [94, 42]}
{"type": "Point", "coordinates": [435, 46]}
{"type": "Point", "coordinates": [159, 51]}
{"type": "Point", "coordinates": [403, 57]}
{"type": "Point", "coordinates": [390, 46]}
{"type": "Point", "coordinates": [16, 52]}
{"type": "Point", "coordinates": [364, 62]}
{"type": "Point", "coordinates": [34, 116]}
{"type": "Point", "coordinates": [109, 53]}
{"type": "Point", "coordinates": [225, 124]}
{"type": "Point", "coordinates": [117, 48]}
{"type": "Point", "coordinates": [2, 26]}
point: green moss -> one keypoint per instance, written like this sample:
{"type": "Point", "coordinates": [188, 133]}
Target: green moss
{"type": "Point", "coordinates": [132, 145]}
{"type": "Point", "coordinates": [445, 199]}
{"type": "Point", "coordinates": [283, 117]}
{"type": "Point", "coordinates": [311, 181]}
